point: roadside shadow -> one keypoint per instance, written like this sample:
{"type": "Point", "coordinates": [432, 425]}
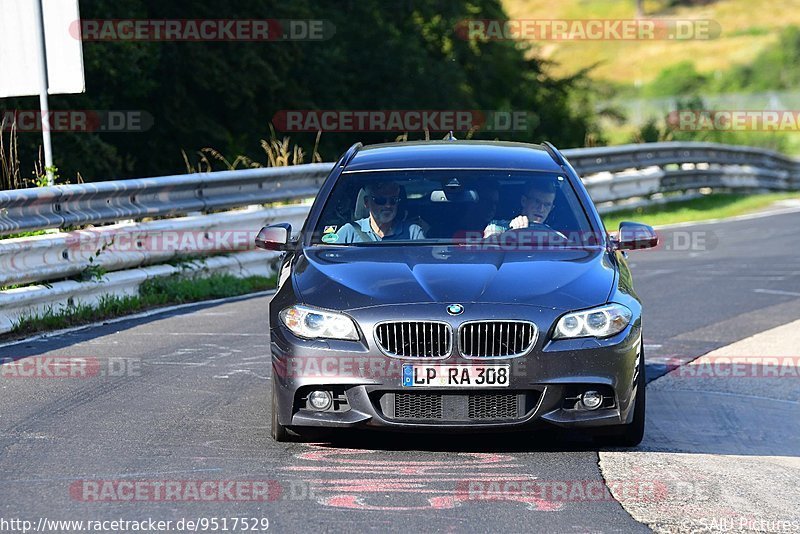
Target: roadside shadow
{"type": "Point", "coordinates": [543, 440]}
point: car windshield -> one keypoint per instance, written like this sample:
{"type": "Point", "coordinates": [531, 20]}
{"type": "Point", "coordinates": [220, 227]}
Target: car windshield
{"type": "Point", "coordinates": [423, 207]}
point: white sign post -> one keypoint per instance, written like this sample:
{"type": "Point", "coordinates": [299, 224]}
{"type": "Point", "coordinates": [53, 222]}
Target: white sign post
{"type": "Point", "coordinates": [41, 54]}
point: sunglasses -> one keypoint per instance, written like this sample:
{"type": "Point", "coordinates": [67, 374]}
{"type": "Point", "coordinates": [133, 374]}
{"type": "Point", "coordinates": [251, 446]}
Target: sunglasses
{"type": "Point", "coordinates": [382, 201]}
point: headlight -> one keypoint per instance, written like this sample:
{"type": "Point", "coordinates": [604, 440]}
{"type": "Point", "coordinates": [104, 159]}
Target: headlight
{"type": "Point", "coordinates": [312, 323]}
{"type": "Point", "coordinates": [604, 321]}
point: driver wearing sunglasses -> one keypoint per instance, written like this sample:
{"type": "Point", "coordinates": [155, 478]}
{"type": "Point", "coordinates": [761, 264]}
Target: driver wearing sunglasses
{"type": "Point", "coordinates": [382, 200]}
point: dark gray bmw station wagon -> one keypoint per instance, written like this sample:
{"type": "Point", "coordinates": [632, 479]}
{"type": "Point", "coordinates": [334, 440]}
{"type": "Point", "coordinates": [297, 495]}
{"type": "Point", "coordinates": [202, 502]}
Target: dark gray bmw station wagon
{"type": "Point", "coordinates": [456, 286]}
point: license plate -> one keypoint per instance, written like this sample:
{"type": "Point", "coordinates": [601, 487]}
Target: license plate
{"type": "Point", "coordinates": [471, 376]}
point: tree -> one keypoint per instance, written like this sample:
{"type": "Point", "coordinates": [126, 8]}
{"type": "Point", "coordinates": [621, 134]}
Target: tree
{"type": "Point", "coordinates": [383, 55]}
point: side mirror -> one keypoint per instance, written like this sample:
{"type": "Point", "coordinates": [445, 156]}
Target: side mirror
{"type": "Point", "coordinates": [274, 236]}
{"type": "Point", "coordinates": [635, 236]}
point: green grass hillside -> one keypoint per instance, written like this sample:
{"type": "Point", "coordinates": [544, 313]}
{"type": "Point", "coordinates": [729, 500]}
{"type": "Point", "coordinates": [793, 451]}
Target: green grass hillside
{"type": "Point", "coordinates": [747, 28]}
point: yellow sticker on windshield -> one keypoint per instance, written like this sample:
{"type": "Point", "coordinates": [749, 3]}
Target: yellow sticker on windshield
{"type": "Point", "coordinates": [329, 230]}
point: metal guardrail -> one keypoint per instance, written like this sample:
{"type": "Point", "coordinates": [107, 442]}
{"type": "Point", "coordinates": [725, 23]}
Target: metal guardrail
{"type": "Point", "coordinates": [102, 202]}
{"type": "Point", "coordinates": [619, 158]}
{"type": "Point", "coordinates": [127, 245]}
{"type": "Point", "coordinates": [165, 196]}
{"type": "Point", "coordinates": [21, 302]}
{"type": "Point", "coordinates": [612, 175]}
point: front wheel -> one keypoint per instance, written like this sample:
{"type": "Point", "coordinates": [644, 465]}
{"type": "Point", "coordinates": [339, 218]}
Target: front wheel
{"type": "Point", "coordinates": [631, 434]}
{"type": "Point", "coordinates": [279, 432]}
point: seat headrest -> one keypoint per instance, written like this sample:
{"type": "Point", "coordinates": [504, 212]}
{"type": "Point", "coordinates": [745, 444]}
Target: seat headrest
{"type": "Point", "coordinates": [361, 210]}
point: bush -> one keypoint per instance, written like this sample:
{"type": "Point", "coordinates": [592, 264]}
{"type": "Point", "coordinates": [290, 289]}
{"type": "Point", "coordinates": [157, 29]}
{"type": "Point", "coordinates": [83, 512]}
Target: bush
{"type": "Point", "coordinates": [679, 79]}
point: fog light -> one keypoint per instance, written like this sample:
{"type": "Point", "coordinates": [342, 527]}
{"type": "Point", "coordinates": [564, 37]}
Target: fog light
{"type": "Point", "coordinates": [320, 400]}
{"type": "Point", "coordinates": [592, 399]}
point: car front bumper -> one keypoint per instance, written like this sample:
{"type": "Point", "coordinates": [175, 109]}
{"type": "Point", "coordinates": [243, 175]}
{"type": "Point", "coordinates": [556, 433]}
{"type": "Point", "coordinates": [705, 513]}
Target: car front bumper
{"type": "Point", "coordinates": [542, 387]}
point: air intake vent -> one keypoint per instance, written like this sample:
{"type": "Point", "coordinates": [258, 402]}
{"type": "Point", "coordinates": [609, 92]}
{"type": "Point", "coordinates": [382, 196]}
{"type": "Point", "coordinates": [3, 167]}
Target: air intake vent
{"type": "Point", "coordinates": [483, 407]}
{"type": "Point", "coordinates": [494, 406]}
{"type": "Point", "coordinates": [417, 406]}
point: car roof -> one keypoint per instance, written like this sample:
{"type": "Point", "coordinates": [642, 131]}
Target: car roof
{"type": "Point", "coordinates": [453, 155]}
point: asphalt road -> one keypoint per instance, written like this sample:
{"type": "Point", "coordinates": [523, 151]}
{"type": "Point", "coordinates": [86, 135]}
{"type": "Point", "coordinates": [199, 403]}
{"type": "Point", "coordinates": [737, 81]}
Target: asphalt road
{"type": "Point", "coordinates": [180, 400]}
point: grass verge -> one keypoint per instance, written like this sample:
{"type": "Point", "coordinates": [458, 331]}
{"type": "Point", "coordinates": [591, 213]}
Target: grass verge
{"type": "Point", "coordinates": [714, 206]}
{"type": "Point", "coordinates": [169, 290]}
{"type": "Point", "coordinates": [743, 33]}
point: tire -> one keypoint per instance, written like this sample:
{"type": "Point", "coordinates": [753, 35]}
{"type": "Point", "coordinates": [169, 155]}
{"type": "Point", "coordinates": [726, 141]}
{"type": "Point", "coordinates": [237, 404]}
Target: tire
{"type": "Point", "coordinates": [631, 434]}
{"type": "Point", "coordinates": [279, 432]}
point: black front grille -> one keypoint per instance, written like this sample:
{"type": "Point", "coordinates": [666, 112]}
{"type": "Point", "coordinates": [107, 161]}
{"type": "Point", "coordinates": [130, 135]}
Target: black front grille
{"type": "Point", "coordinates": [414, 339]}
{"type": "Point", "coordinates": [494, 406]}
{"type": "Point", "coordinates": [419, 406]}
{"type": "Point", "coordinates": [456, 407]}
{"type": "Point", "coordinates": [496, 339]}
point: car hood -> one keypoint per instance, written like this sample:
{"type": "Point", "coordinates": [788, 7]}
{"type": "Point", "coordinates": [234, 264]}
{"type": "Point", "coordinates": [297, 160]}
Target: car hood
{"type": "Point", "coordinates": [347, 278]}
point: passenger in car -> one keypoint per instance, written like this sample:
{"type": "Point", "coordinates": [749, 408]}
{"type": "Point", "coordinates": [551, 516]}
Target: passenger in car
{"type": "Point", "coordinates": [537, 203]}
{"type": "Point", "coordinates": [382, 200]}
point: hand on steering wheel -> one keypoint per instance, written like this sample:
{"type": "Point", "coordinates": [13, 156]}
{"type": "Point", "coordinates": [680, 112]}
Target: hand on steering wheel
{"type": "Point", "coordinates": [523, 223]}
{"type": "Point", "coordinates": [519, 222]}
